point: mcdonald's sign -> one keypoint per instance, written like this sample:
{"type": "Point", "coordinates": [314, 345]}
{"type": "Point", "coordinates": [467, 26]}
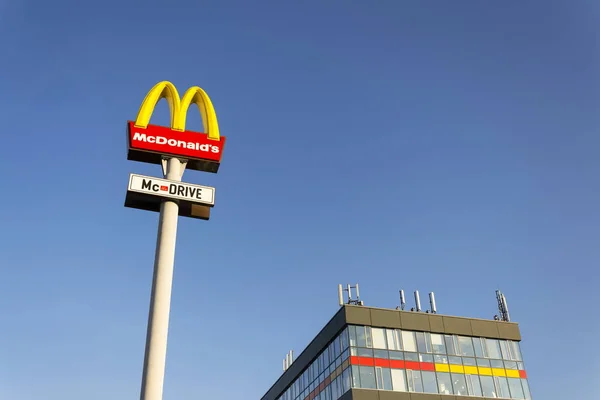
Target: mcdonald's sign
{"type": "Point", "coordinates": [149, 143]}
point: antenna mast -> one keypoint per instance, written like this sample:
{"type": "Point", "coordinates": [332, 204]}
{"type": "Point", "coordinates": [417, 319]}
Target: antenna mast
{"type": "Point", "coordinates": [341, 290]}
{"type": "Point", "coordinates": [502, 306]}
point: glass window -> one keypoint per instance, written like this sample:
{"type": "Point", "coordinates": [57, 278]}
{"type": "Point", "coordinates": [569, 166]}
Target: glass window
{"type": "Point", "coordinates": [437, 344]}
{"type": "Point", "coordinates": [487, 386]}
{"type": "Point", "coordinates": [516, 390]}
{"type": "Point", "coordinates": [482, 362]}
{"type": "Point", "coordinates": [502, 386]}
{"type": "Point", "coordinates": [497, 363]}
{"type": "Point", "coordinates": [444, 383]}
{"type": "Point", "coordinates": [344, 339]}
{"type": "Point", "coordinates": [336, 347]}
{"type": "Point", "coordinates": [510, 364]}
{"type": "Point", "coordinates": [352, 332]}
{"type": "Point", "coordinates": [384, 378]}
{"type": "Point", "coordinates": [362, 352]}
{"type": "Point", "coordinates": [398, 380]}
{"type": "Point", "coordinates": [361, 336]}
{"type": "Point", "coordinates": [326, 358]}
{"type": "Point", "coordinates": [378, 338]}
{"type": "Point", "coordinates": [479, 346]}
{"type": "Point", "coordinates": [466, 346]}
{"type": "Point", "coordinates": [423, 342]}
{"type": "Point", "coordinates": [526, 389]}
{"type": "Point", "coordinates": [392, 339]}
{"type": "Point", "coordinates": [369, 337]}
{"type": "Point", "coordinates": [455, 360]}
{"type": "Point", "coordinates": [335, 393]}
{"type": "Point", "coordinates": [493, 348]}
{"type": "Point", "coordinates": [473, 385]}
{"type": "Point", "coordinates": [429, 382]}
{"type": "Point", "coordinates": [450, 345]}
{"type": "Point", "coordinates": [380, 354]}
{"type": "Point", "coordinates": [408, 341]}
{"type": "Point", "coordinates": [438, 358]}
{"type": "Point", "coordinates": [459, 384]}
{"type": "Point", "coordinates": [469, 361]}
{"type": "Point", "coordinates": [505, 350]}
{"type": "Point", "coordinates": [411, 356]}
{"type": "Point", "coordinates": [355, 377]}
{"type": "Point", "coordinates": [515, 350]}
{"type": "Point", "coordinates": [396, 355]}
{"type": "Point", "coordinates": [367, 377]}
{"type": "Point", "coordinates": [415, 384]}
{"type": "Point", "coordinates": [346, 380]}
{"type": "Point", "coordinates": [426, 358]}
{"type": "Point", "coordinates": [345, 354]}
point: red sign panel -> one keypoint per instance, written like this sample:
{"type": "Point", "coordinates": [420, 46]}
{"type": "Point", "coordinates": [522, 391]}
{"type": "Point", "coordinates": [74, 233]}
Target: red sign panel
{"type": "Point", "coordinates": [149, 144]}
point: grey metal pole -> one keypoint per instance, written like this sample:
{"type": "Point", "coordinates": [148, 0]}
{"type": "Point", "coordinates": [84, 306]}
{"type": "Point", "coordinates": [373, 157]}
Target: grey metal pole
{"type": "Point", "coordinates": [160, 299]}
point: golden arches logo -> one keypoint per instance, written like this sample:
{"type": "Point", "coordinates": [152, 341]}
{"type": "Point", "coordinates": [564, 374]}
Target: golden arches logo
{"type": "Point", "coordinates": [179, 108]}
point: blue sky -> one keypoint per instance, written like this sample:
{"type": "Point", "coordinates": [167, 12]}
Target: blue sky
{"type": "Point", "coordinates": [446, 146]}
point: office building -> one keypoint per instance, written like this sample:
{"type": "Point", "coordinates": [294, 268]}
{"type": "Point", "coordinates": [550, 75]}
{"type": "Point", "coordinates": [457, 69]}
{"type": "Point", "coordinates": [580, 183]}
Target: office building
{"type": "Point", "coordinates": [366, 353]}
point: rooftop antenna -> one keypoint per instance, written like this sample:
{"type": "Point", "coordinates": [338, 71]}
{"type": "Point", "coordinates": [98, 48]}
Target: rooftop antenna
{"type": "Point", "coordinates": [417, 301]}
{"type": "Point", "coordinates": [348, 289]}
{"type": "Point", "coordinates": [432, 302]}
{"type": "Point", "coordinates": [402, 300]}
{"type": "Point", "coordinates": [502, 306]}
{"type": "Point", "coordinates": [288, 360]}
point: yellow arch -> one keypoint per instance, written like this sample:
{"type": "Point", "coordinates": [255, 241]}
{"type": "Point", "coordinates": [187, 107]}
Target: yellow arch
{"type": "Point", "coordinates": [196, 95]}
{"type": "Point", "coordinates": [179, 108]}
{"type": "Point", "coordinates": [162, 90]}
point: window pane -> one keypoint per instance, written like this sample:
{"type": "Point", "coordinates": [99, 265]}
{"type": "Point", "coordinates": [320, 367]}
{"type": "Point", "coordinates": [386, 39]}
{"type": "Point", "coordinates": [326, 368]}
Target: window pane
{"type": "Point", "coordinates": [502, 386]}
{"type": "Point", "coordinates": [493, 348]}
{"type": "Point", "coordinates": [444, 383]}
{"type": "Point", "coordinates": [437, 344]}
{"type": "Point", "coordinates": [396, 355]}
{"type": "Point", "coordinates": [380, 354]}
{"type": "Point", "coordinates": [429, 382]}
{"type": "Point", "coordinates": [438, 358]}
{"type": "Point", "coordinates": [423, 342]}
{"type": "Point", "coordinates": [516, 390]}
{"type": "Point", "coordinates": [487, 386]}
{"type": "Point", "coordinates": [516, 351]}
{"type": "Point", "coordinates": [455, 360]}
{"type": "Point", "coordinates": [392, 339]}
{"type": "Point", "coordinates": [510, 364]}
{"type": "Point", "coordinates": [473, 385]}
{"type": "Point", "coordinates": [479, 349]}
{"type": "Point", "coordinates": [384, 378]}
{"type": "Point", "coordinates": [361, 337]}
{"type": "Point", "coordinates": [344, 339]}
{"type": "Point", "coordinates": [365, 352]}
{"type": "Point", "coordinates": [459, 384]}
{"type": "Point", "coordinates": [355, 377]}
{"type": "Point", "coordinates": [352, 332]}
{"type": "Point", "coordinates": [334, 388]}
{"type": "Point", "coordinates": [526, 389]}
{"type": "Point", "coordinates": [411, 356]}
{"type": "Point", "coordinates": [450, 347]}
{"type": "Point", "coordinates": [369, 337]}
{"type": "Point", "coordinates": [415, 384]}
{"type": "Point", "coordinates": [425, 358]}
{"type": "Point", "coordinates": [497, 363]}
{"type": "Point", "coordinates": [482, 362]}
{"type": "Point", "coordinates": [346, 380]}
{"type": "Point", "coordinates": [378, 338]}
{"type": "Point", "coordinates": [398, 380]}
{"type": "Point", "coordinates": [469, 361]}
{"type": "Point", "coordinates": [466, 346]}
{"type": "Point", "coordinates": [367, 377]}
{"type": "Point", "coordinates": [408, 341]}
{"type": "Point", "coordinates": [505, 350]}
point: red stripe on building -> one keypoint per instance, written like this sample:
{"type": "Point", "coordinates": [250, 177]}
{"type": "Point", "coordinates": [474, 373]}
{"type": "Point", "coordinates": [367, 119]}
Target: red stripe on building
{"type": "Point", "coordinates": [397, 364]}
{"type": "Point", "coordinates": [426, 366]}
{"type": "Point", "coordinates": [382, 362]}
{"type": "Point", "coordinates": [412, 365]}
{"type": "Point", "coordinates": [522, 374]}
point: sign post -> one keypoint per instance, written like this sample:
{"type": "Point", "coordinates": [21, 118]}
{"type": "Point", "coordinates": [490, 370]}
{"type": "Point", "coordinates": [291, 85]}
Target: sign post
{"type": "Point", "coordinates": [174, 148]}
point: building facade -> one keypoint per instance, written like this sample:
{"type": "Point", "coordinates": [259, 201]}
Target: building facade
{"type": "Point", "coordinates": [366, 353]}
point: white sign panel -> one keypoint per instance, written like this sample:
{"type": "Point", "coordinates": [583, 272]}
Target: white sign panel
{"type": "Point", "coordinates": [171, 189]}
